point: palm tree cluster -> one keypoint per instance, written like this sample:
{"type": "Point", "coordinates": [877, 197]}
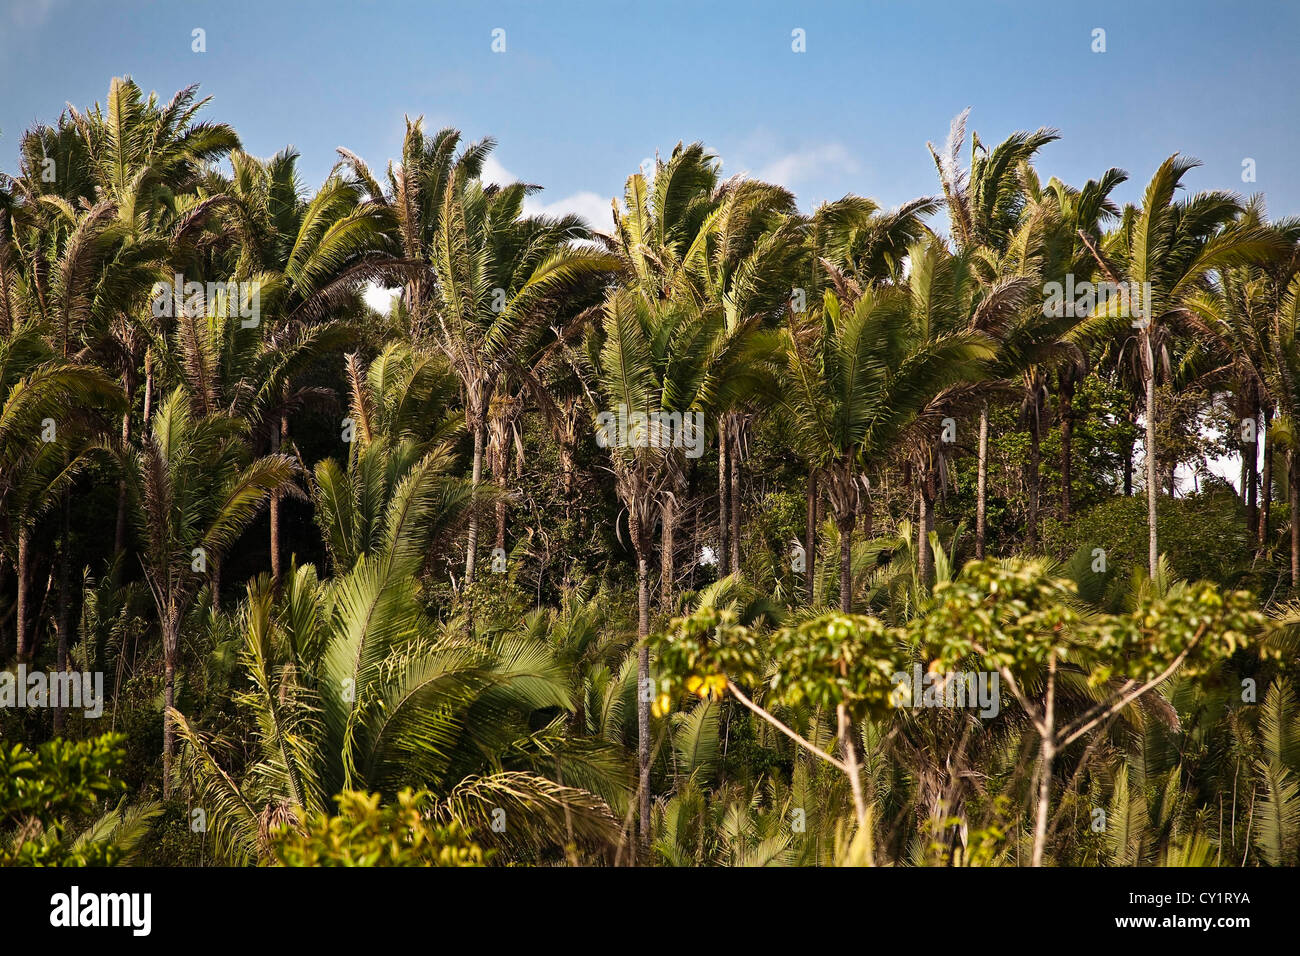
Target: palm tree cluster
{"type": "Point", "coordinates": [263, 509]}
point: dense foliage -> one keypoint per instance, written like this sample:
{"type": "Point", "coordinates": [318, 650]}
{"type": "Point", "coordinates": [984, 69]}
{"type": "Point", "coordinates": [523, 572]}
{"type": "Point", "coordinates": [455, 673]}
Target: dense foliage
{"type": "Point", "coordinates": [720, 533]}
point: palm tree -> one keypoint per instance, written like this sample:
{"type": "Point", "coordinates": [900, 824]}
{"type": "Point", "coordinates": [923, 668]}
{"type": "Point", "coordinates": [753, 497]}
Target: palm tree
{"type": "Point", "coordinates": [397, 482]}
{"type": "Point", "coordinates": [946, 297]}
{"type": "Point", "coordinates": [194, 493]}
{"type": "Point", "coordinates": [744, 259]}
{"type": "Point", "coordinates": [353, 685]}
{"type": "Point", "coordinates": [1234, 317]}
{"type": "Point", "coordinates": [43, 447]}
{"type": "Point", "coordinates": [493, 291]}
{"type": "Point", "coordinates": [849, 244]}
{"type": "Point", "coordinates": [61, 272]}
{"type": "Point", "coordinates": [1161, 255]}
{"type": "Point", "coordinates": [413, 203]}
{"type": "Point", "coordinates": [143, 159]}
{"type": "Point", "coordinates": [656, 357]}
{"type": "Point", "coordinates": [854, 387]}
{"type": "Point", "coordinates": [1283, 370]}
{"type": "Point", "coordinates": [309, 258]}
{"type": "Point", "coordinates": [985, 203]}
{"type": "Point", "coordinates": [665, 220]}
{"type": "Point", "coordinates": [1048, 247]}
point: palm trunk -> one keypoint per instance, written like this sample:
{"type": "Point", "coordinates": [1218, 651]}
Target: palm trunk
{"type": "Point", "coordinates": [667, 548]}
{"type": "Point", "coordinates": [924, 525]}
{"type": "Point", "coordinates": [1128, 470]}
{"type": "Point", "coordinates": [1035, 473]}
{"type": "Point", "coordinates": [1067, 438]}
{"type": "Point", "coordinates": [567, 465]}
{"type": "Point", "coordinates": [1266, 485]}
{"type": "Point", "coordinates": [119, 535]}
{"type": "Point", "coordinates": [845, 524]}
{"type": "Point", "coordinates": [1294, 494]}
{"type": "Point", "coordinates": [724, 483]}
{"type": "Point", "coordinates": [1252, 473]}
{"type": "Point", "coordinates": [1153, 490]}
{"type": "Point", "coordinates": [735, 495]}
{"type": "Point", "coordinates": [148, 384]}
{"type": "Point", "coordinates": [982, 484]}
{"type": "Point", "coordinates": [810, 534]}
{"type": "Point", "coordinates": [277, 438]}
{"type": "Point", "coordinates": [502, 484]}
{"type": "Point", "coordinates": [498, 436]}
{"type": "Point", "coordinates": [23, 612]}
{"type": "Point", "coordinates": [1241, 490]}
{"type": "Point", "coordinates": [65, 603]}
{"type": "Point", "coordinates": [643, 702]}
{"type": "Point", "coordinates": [471, 548]}
{"type": "Point", "coordinates": [169, 701]}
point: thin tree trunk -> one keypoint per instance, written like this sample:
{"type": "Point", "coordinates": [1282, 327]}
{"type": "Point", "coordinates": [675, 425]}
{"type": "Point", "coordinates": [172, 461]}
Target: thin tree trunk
{"type": "Point", "coordinates": [845, 524]}
{"type": "Point", "coordinates": [667, 548]}
{"type": "Point", "coordinates": [502, 484]}
{"type": "Point", "coordinates": [1242, 492]}
{"type": "Point", "coordinates": [1035, 473]}
{"type": "Point", "coordinates": [119, 536]}
{"type": "Point", "coordinates": [924, 519]}
{"type": "Point", "coordinates": [567, 467]}
{"type": "Point", "coordinates": [1294, 488]}
{"type": "Point", "coordinates": [735, 494]}
{"type": "Point", "coordinates": [65, 603]}
{"type": "Point", "coordinates": [724, 493]}
{"type": "Point", "coordinates": [1252, 473]}
{"type": "Point", "coordinates": [1128, 470]}
{"type": "Point", "coordinates": [4, 623]}
{"type": "Point", "coordinates": [644, 691]}
{"type": "Point", "coordinates": [982, 484]}
{"type": "Point", "coordinates": [1067, 439]}
{"type": "Point", "coordinates": [24, 571]}
{"type": "Point", "coordinates": [810, 534]}
{"type": "Point", "coordinates": [498, 436]}
{"type": "Point", "coordinates": [471, 548]}
{"type": "Point", "coordinates": [1153, 489]}
{"type": "Point", "coordinates": [850, 751]}
{"type": "Point", "coordinates": [169, 701]}
{"type": "Point", "coordinates": [1047, 755]}
{"type": "Point", "coordinates": [277, 438]}
{"type": "Point", "coordinates": [148, 384]}
{"type": "Point", "coordinates": [1266, 485]}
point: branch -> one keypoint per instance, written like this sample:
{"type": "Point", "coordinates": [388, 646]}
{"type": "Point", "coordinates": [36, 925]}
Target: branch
{"type": "Point", "coordinates": [810, 747]}
{"type": "Point", "coordinates": [1105, 266]}
{"type": "Point", "coordinates": [1097, 715]}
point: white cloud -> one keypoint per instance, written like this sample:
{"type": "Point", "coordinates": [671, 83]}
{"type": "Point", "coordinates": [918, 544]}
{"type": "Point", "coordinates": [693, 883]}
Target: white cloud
{"type": "Point", "coordinates": [807, 164]}
{"type": "Point", "coordinates": [494, 172]}
{"type": "Point", "coordinates": [591, 206]}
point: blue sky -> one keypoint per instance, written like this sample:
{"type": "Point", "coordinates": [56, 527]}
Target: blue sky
{"type": "Point", "coordinates": [585, 91]}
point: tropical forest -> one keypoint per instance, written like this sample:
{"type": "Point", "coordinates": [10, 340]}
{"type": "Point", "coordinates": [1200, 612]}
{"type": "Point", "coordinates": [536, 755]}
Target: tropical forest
{"type": "Point", "coordinates": [389, 521]}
